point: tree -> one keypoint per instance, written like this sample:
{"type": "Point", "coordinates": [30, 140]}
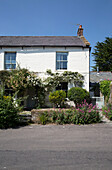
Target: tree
{"type": "Point", "coordinates": [103, 55]}
{"type": "Point", "coordinates": [9, 109]}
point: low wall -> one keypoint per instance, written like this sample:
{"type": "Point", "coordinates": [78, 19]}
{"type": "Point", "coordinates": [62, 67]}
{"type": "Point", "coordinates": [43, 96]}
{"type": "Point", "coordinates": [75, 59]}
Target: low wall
{"type": "Point", "coordinates": [35, 113]}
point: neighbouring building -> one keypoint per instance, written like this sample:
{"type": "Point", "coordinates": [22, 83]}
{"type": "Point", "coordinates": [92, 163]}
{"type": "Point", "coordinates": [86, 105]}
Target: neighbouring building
{"type": "Point", "coordinates": [39, 53]}
{"type": "Point", "coordinates": [95, 79]}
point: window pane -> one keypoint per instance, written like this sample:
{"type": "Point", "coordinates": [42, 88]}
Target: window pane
{"type": "Point", "coordinates": [58, 57]}
{"type": "Point", "coordinates": [61, 65]}
{"type": "Point", "coordinates": [13, 66]}
{"type": "Point", "coordinates": [7, 61]}
{"type": "Point", "coordinates": [64, 65]}
{"type": "Point", "coordinates": [7, 66]}
{"type": "Point", "coordinates": [65, 57]}
{"type": "Point", "coordinates": [13, 57]}
{"type": "Point", "coordinates": [61, 58]}
{"type": "Point", "coordinates": [13, 62]}
{"type": "Point", "coordinates": [7, 57]}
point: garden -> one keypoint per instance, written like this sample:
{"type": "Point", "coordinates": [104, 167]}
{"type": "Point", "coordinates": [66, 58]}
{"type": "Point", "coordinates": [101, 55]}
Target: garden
{"type": "Point", "coordinates": [84, 114]}
{"type": "Point", "coordinates": [18, 82]}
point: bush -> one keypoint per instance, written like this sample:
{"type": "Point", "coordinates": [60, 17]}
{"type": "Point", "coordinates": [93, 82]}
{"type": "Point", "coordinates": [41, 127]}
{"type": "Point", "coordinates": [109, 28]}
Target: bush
{"type": "Point", "coordinates": [8, 112]}
{"type": "Point", "coordinates": [43, 118]}
{"type": "Point", "coordinates": [78, 95]}
{"type": "Point", "coordinates": [107, 111]}
{"type": "Point", "coordinates": [105, 89]}
{"type": "Point", "coordinates": [87, 114]}
{"type": "Point", "coordinates": [57, 97]}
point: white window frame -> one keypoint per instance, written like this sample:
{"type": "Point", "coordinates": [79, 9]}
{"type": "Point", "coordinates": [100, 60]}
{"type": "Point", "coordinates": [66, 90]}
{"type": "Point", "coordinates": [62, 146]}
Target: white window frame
{"type": "Point", "coordinates": [61, 61]}
{"type": "Point", "coordinates": [9, 63]}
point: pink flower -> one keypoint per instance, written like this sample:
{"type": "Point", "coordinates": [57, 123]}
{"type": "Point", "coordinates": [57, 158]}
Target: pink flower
{"type": "Point", "coordinates": [94, 106]}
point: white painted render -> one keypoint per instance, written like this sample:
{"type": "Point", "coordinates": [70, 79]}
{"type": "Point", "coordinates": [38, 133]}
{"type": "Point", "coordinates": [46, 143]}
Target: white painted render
{"type": "Point", "coordinates": [40, 59]}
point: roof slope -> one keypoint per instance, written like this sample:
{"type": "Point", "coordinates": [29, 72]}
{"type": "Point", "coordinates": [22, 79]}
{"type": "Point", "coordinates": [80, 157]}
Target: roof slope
{"type": "Point", "coordinates": [84, 40]}
{"type": "Point", "coordinates": [34, 41]}
{"type": "Point", "coordinates": [96, 77]}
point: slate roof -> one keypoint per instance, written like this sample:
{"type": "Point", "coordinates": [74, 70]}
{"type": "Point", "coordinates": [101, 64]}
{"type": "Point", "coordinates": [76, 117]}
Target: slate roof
{"type": "Point", "coordinates": [36, 41]}
{"type": "Point", "coordinates": [96, 77]}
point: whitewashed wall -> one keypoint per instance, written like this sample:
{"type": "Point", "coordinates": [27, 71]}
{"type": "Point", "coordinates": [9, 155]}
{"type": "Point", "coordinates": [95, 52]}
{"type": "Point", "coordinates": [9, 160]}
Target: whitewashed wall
{"type": "Point", "coordinates": [41, 59]}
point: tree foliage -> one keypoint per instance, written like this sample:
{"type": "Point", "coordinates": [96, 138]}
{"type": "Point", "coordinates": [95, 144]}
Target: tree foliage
{"type": "Point", "coordinates": [9, 109]}
{"type": "Point", "coordinates": [103, 55]}
{"type": "Point", "coordinates": [4, 76]}
{"type": "Point", "coordinates": [21, 80]}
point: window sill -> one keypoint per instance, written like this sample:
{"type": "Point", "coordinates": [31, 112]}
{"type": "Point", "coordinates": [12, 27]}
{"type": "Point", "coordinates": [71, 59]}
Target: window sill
{"type": "Point", "coordinates": [62, 70]}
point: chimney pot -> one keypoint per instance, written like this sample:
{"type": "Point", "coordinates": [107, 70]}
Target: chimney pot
{"type": "Point", "coordinates": [80, 31]}
{"type": "Point", "coordinates": [80, 26]}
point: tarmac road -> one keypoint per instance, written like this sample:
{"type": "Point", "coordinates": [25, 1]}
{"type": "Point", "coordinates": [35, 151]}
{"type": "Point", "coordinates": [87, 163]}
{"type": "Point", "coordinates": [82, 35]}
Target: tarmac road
{"type": "Point", "coordinates": [57, 147]}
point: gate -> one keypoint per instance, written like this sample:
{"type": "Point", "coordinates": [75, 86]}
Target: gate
{"type": "Point", "coordinates": [99, 101]}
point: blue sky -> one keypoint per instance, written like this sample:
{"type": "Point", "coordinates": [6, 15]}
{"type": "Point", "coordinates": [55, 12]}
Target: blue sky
{"type": "Point", "coordinates": [57, 17]}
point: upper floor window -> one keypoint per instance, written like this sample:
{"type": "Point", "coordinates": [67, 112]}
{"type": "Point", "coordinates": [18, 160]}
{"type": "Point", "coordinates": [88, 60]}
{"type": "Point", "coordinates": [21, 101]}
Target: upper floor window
{"type": "Point", "coordinates": [10, 60]}
{"type": "Point", "coordinates": [61, 61]}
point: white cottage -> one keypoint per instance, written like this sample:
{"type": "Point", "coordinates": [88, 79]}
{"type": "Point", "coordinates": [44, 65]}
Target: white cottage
{"type": "Point", "coordinates": [39, 53]}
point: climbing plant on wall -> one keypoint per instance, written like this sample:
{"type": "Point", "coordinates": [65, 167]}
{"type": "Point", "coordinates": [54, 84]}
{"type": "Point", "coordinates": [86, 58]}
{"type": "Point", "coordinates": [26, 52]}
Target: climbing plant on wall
{"type": "Point", "coordinates": [20, 80]}
{"type": "Point", "coordinates": [54, 79]}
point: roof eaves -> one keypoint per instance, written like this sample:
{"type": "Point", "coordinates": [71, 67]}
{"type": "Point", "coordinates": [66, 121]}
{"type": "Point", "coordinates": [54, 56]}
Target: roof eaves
{"type": "Point", "coordinates": [42, 45]}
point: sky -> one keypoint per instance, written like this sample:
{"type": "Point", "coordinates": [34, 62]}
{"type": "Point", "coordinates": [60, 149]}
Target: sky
{"type": "Point", "coordinates": [57, 18]}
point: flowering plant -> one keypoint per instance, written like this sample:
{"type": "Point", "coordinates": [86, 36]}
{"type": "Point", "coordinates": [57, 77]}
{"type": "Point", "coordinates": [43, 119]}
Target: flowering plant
{"type": "Point", "coordinates": [84, 114]}
{"type": "Point", "coordinates": [107, 111]}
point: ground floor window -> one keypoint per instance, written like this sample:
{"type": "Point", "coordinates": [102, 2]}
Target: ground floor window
{"type": "Point", "coordinates": [63, 86]}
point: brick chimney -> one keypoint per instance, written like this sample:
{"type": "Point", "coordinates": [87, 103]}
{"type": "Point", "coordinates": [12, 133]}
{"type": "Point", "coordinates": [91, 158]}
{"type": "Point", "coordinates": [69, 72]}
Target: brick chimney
{"type": "Point", "coordinates": [80, 31]}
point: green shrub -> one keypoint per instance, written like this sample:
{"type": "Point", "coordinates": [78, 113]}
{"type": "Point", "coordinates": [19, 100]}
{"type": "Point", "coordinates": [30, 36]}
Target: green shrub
{"type": "Point", "coordinates": [78, 95]}
{"type": "Point", "coordinates": [43, 118]}
{"type": "Point", "coordinates": [8, 111]}
{"type": "Point", "coordinates": [57, 97]}
{"type": "Point", "coordinates": [105, 89]}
